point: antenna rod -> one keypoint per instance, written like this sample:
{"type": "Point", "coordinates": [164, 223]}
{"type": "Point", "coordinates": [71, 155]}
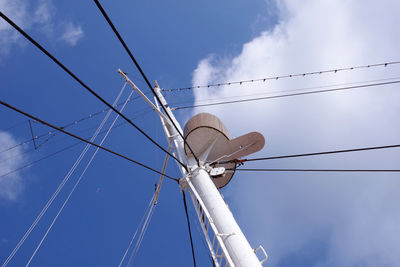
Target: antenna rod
{"type": "Point", "coordinates": [143, 95]}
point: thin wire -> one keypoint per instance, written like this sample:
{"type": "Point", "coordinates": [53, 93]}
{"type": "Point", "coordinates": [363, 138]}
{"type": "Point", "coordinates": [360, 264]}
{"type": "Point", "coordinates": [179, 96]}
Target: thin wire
{"type": "Point", "coordinates": [188, 224]}
{"type": "Point", "coordinates": [137, 229]}
{"type": "Point", "coordinates": [9, 21]}
{"type": "Point", "coordinates": [90, 116]}
{"type": "Point", "coordinates": [52, 134]}
{"type": "Point", "coordinates": [316, 170]}
{"type": "Point", "coordinates": [203, 240]}
{"type": "Point", "coordinates": [288, 90]}
{"type": "Point", "coordinates": [313, 154]}
{"type": "Point", "coordinates": [147, 222]}
{"type": "Point", "coordinates": [60, 187]}
{"type": "Point", "coordinates": [39, 160]}
{"type": "Point", "coordinates": [141, 235]}
{"type": "Point", "coordinates": [65, 148]}
{"type": "Point", "coordinates": [82, 139]}
{"type": "Point", "coordinates": [288, 95]}
{"type": "Point", "coordinates": [83, 172]}
{"type": "Point", "coordinates": [103, 12]}
{"type": "Point", "coordinates": [13, 126]}
{"type": "Point", "coordinates": [281, 77]}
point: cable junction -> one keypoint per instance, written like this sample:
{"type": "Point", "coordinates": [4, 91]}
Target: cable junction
{"type": "Point", "coordinates": [282, 76]}
{"type": "Point", "coordinates": [171, 121]}
{"type": "Point", "coordinates": [82, 139]}
{"type": "Point", "coordinates": [241, 161]}
{"type": "Point", "coordinates": [55, 60]}
{"type": "Point", "coordinates": [86, 167]}
{"type": "Point", "coordinates": [62, 149]}
{"type": "Point", "coordinates": [60, 187]}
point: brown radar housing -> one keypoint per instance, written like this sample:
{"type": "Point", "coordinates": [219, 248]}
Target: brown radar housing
{"type": "Point", "coordinates": [205, 133]}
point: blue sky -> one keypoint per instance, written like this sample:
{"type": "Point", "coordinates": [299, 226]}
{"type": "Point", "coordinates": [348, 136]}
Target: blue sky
{"type": "Point", "coordinates": [168, 40]}
{"type": "Point", "coordinates": [300, 219]}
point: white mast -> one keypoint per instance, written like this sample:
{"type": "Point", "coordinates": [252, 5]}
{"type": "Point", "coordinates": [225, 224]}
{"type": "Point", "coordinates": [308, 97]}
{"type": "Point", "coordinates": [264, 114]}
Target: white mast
{"type": "Point", "coordinates": [226, 242]}
{"type": "Point", "coordinates": [228, 245]}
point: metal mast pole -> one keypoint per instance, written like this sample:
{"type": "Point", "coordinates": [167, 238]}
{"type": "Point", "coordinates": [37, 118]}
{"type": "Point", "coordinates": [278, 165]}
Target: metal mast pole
{"type": "Point", "coordinates": [227, 243]}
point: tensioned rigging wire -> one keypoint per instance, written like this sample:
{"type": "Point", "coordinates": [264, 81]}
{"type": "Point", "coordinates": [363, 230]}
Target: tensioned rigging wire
{"type": "Point", "coordinates": [62, 149]}
{"type": "Point", "coordinates": [315, 170]}
{"type": "Point", "coordinates": [189, 229]}
{"type": "Point", "coordinates": [103, 12]}
{"type": "Point", "coordinates": [288, 90]}
{"type": "Point", "coordinates": [203, 241]}
{"type": "Point", "coordinates": [60, 187]}
{"type": "Point", "coordinates": [141, 235]}
{"type": "Point", "coordinates": [288, 95]}
{"type": "Point", "coordinates": [39, 160]}
{"type": "Point", "coordinates": [312, 154]}
{"type": "Point", "coordinates": [82, 139]}
{"type": "Point", "coordinates": [83, 172]}
{"type": "Point", "coordinates": [75, 122]}
{"type": "Point", "coordinates": [151, 203]}
{"type": "Point", "coordinates": [138, 114]}
{"type": "Point", "coordinates": [281, 77]}
{"type": "Point", "coordinates": [92, 115]}
{"type": "Point", "coordinates": [47, 53]}
{"type": "Point", "coordinates": [53, 133]}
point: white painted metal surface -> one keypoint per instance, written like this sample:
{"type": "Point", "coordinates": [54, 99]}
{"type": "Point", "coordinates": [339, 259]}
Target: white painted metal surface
{"type": "Point", "coordinates": [236, 250]}
{"type": "Point", "coordinates": [237, 246]}
{"type": "Point", "coordinates": [226, 242]}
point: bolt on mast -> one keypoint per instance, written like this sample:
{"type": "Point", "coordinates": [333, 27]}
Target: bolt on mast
{"type": "Point", "coordinates": [227, 244]}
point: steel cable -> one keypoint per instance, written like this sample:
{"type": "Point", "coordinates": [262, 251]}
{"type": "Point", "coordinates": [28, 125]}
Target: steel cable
{"type": "Point", "coordinates": [288, 95]}
{"type": "Point", "coordinates": [60, 187]}
{"type": "Point", "coordinates": [103, 12]}
{"type": "Point", "coordinates": [303, 74]}
{"type": "Point", "coordinates": [47, 53]}
{"type": "Point", "coordinates": [84, 170]}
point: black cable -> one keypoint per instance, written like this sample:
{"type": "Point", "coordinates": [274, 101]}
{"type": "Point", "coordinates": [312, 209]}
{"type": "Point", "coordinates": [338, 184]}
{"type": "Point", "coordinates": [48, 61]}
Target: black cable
{"type": "Point", "coordinates": [317, 170]}
{"type": "Point", "coordinates": [54, 153]}
{"type": "Point", "coordinates": [141, 72]}
{"type": "Point", "coordinates": [188, 223]}
{"type": "Point", "coordinates": [288, 95]}
{"type": "Point", "coordinates": [85, 130]}
{"type": "Point", "coordinates": [280, 77]}
{"type": "Point", "coordinates": [311, 154]}
{"type": "Point", "coordinates": [82, 139]}
{"type": "Point", "coordinates": [53, 134]}
{"type": "Point", "coordinates": [83, 84]}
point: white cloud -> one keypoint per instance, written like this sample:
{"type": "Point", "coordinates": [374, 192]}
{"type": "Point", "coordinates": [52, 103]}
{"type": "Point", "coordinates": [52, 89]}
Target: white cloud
{"type": "Point", "coordinates": [16, 10]}
{"type": "Point", "coordinates": [43, 16]}
{"type": "Point", "coordinates": [352, 219]}
{"type": "Point", "coordinates": [72, 34]}
{"type": "Point", "coordinates": [34, 17]}
{"type": "Point", "coordinates": [11, 186]}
